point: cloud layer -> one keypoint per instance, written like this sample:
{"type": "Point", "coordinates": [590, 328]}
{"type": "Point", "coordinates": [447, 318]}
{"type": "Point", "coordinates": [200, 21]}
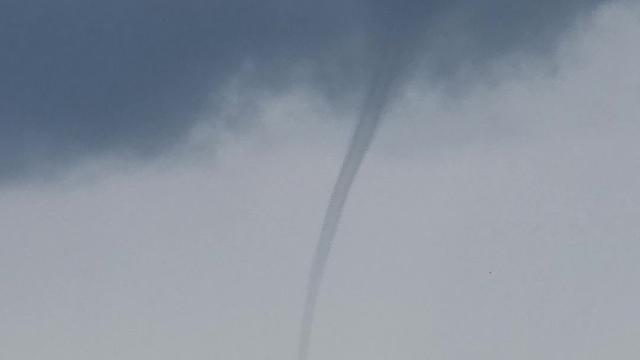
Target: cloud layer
{"type": "Point", "coordinates": [132, 77]}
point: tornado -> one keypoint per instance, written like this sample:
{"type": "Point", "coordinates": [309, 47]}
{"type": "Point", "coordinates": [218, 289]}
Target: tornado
{"type": "Point", "coordinates": [375, 102]}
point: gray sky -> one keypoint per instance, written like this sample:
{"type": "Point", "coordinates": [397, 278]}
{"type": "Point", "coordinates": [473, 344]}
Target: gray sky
{"type": "Point", "coordinates": [84, 79]}
{"type": "Point", "coordinates": [493, 221]}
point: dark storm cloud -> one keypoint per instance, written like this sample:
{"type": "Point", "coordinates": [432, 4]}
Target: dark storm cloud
{"type": "Point", "coordinates": [81, 78]}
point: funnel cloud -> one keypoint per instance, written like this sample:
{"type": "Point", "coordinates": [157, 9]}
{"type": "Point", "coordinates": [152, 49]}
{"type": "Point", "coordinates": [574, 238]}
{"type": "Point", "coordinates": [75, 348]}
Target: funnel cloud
{"type": "Point", "coordinates": [372, 111]}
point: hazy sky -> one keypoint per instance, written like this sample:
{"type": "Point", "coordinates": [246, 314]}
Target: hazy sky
{"type": "Point", "coordinates": [164, 168]}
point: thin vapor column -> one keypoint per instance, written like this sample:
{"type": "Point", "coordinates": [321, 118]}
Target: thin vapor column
{"type": "Point", "coordinates": [372, 110]}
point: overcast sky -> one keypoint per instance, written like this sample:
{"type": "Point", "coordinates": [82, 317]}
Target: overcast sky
{"type": "Point", "coordinates": [165, 166]}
